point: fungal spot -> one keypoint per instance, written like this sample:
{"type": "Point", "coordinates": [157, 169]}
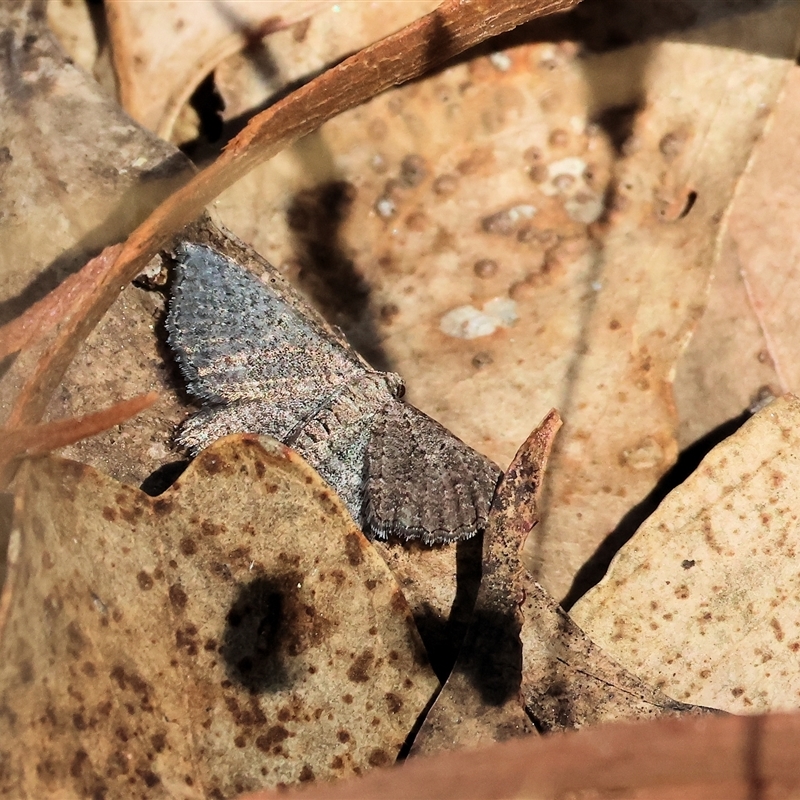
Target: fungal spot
{"type": "Point", "coordinates": [177, 597]}
{"type": "Point", "coordinates": [144, 580]}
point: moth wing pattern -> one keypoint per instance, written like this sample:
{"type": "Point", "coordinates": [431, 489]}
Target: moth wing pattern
{"type": "Point", "coordinates": [234, 339]}
{"type": "Point", "coordinates": [422, 482]}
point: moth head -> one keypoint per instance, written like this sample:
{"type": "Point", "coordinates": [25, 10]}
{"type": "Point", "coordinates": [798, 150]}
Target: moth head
{"type": "Point", "coordinates": [395, 384]}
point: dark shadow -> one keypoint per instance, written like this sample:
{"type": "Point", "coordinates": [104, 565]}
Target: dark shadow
{"type": "Point", "coordinates": [590, 574]}
{"type": "Point", "coordinates": [6, 521]}
{"type": "Point", "coordinates": [443, 637]}
{"type": "Point", "coordinates": [7, 362]}
{"type": "Point", "coordinates": [160, 480]}
{"type": "Point", "coordinates": [492, 658]}
{"type": "Point", "coordinates": [327, 274]}
{"type": "Point", "coordinates": [209, 105]}
{"type": "Point", "coordinates": [617, 122]}
{"type": "Point", "coordinates": [258, 633]}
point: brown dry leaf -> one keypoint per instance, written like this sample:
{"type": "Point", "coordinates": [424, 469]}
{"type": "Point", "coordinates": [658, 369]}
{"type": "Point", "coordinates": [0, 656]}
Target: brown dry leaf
{"type": "Point", "coordinates": [402, 56]}
{"type": "Point", "coordinates": [480, 702]}
{"type": "Point", "coordinates": [75, 174]}
{"type": "Point", "coordinates": [687, 150]}
{"type": "Point", "coordinates": [735, 758]}
{"type": "Point", "coordinates": [569, 682]}
{"type": "Point", "coordinates": [414, 236]}
{"type": "Point", "coordinates": [163, 50]}
{"type": "Point", "coordinates": [762, 235]}
{"type": "Point", "coordinates": [236, 632]}
{"type": "Point", "coordinates": [704, 601]}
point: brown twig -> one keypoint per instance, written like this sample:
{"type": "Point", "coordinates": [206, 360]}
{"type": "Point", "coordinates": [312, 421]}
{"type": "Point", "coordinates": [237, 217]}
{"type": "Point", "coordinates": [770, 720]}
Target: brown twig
{"type": "Point", "coordinates": [39, 439]}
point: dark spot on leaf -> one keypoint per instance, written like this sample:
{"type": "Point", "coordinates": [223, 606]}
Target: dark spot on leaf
{"type": "Point", "coordinates": [188, 547]}
{"type": "Point", "coordinates": [306, 774]}
{"type": "Point", "coordinates": [78, 760]}
{"type": "Point", "coordinates": [688, 564]}
{"type": "Point", "coordinates": [274, 735]}
{"type": "Point", "coordinates": [379, 758]}
{"type": "Point", "coordinates": [359, 669]}
{"type": "Point", "coordinates": [26, 673]}
{"type": "Point", "coordinates": [149, 777]}
{"type": "Point", "coordinates": [144, 580]}
{"type": "Point", "coordinates": [177, 597]}
{"type": "Point", "coordinates": [210, 463]}
{"type": "Point", "coordinates": [343, 736]}
{"type": "Point", "coordinates": [110, 515]}
{"type": "Point", "coordinates": [353, 549]}
{"type": "Point", "coordinates": [393, 702]}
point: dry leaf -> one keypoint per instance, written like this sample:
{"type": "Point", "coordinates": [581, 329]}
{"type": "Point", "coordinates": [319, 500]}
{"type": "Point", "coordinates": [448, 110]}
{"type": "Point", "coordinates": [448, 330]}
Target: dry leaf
{"type": "Point", "coordinates": [686, 152]}
{"type": "Point", "coordinates": [470, 263]}
{"type": "Point", "coordinates": [163, 50]}
{"type": "Point", "coordinates": [569, 682]}
{"type": "Point", "coordinates": [727, 362]}
{"type": "Point", "coordinates": [237, 631]}
{"type": "Point", "coordinates": [480, 702]}
{"type": "Point", "coordinates": [704, 601]}
{"type": "Point", "coordinates": [762, 234]}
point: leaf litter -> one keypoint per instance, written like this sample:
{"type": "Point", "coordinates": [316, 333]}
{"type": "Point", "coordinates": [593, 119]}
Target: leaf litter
{"type": "Point", "coordinates": [173, 646]}
{"type": "Point", "coordinates": [672, 194]}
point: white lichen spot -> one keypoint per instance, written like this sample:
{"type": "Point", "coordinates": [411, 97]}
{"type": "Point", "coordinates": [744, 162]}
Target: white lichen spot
{"type": "Point", "coordinates": [385, 207]}
{"type": "Point", "coordinates": [468, 322]}
{"type": "Point", "coordinates": [500, 61]}
{"type": "Point", "coordinates": [585, 207]}
{"type": "Point", "coordinates": [572, 166]}
{"type": "Point", "coordinates": [566, 178]}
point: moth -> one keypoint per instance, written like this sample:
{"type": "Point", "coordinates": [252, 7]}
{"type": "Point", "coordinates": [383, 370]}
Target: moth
{"type": "Point", "coordinates": [260, 360]}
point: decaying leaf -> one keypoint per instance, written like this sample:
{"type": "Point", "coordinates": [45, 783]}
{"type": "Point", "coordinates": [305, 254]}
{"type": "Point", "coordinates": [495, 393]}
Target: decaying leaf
{"type": "Point", "coordinates": [677, 175]}
{"type": "Point", "coordinates": [480, 702]}
{"type": "Point", "coordinates": [236, 632]}
{"type": "Point", "coordinates": [762, 235]}
{"type": "Point", "coordinates": [569, 682]}
{"type": "Point", "coordinates": [158, 73]}
{"type": "Point", "coordinates": [704, 601]}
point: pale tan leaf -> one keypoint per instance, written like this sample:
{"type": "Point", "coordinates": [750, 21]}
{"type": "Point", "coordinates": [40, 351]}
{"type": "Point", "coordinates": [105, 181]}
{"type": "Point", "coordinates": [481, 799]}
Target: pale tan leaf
{"type": "Point", "coordinates": [688, 148]}
{"type": "Point", "coordinates": [762, 234]}
{"type": "Point", "coordinates": [727, 362]}
{"type": "Point", "coordinates": [163, 50]}
{"type": "Point", "coordinates": [236, 632]}
{"type": "Point", "coordinates": [704, 601]}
